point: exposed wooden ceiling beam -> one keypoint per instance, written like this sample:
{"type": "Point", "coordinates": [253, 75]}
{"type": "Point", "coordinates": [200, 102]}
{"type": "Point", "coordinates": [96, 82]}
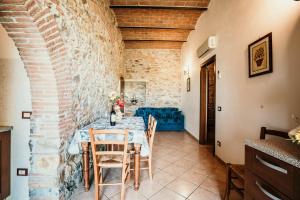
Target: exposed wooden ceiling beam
{"type": "Point", "coordinates": [154, 34]}
{"type": "Point", "coordinates": [187, 3]}
{"type": "Point", "coordinates": [153, 45]}
{"type": "Point", "coordinates": [160, 7]}
{"type": "Point", "coordinates": [136, 40]}
{"type": "Point", "coordinates": [159, 18]}
{"type": "Point", "coordinates": [156, 27]}
{"type": "Point", "coordinates": [157, 23]}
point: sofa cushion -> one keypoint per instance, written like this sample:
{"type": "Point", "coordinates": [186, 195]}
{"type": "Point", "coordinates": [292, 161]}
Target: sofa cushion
{"type": "Point", "coordinates": [168, 118]}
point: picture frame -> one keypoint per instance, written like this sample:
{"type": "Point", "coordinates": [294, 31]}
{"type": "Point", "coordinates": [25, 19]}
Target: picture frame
{"type": "Point", "coordinates": [188, 84]}
{"type": "Point", "coordinates": [260, 56]}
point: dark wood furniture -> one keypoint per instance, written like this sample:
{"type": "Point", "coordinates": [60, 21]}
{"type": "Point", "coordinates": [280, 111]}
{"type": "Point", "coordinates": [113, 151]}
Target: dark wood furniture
{"type": "Point", "coordinates": [5, 135]}
{"type": "Point", "coordinates": [234, 179]}
{"type": "Point", "coordinates": [270, 178]}
{"type": "Point", "coordinates": [264, 131]}
{"type": "Point", "coordinates": [236, 173]}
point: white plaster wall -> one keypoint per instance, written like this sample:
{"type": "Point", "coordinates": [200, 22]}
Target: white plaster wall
{"type": "Point", "coordinates": [15, 97]}
{"type": "Point", "coordinates": [248, 104]}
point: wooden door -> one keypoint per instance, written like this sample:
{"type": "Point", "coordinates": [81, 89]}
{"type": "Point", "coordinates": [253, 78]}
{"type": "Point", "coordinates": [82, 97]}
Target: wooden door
{"type": "Point", "coordinates": [122, 90]}
{"type": "Point", "coordinates": [5, 164]}
{"type": "Point", "coordinates": [203, 105]}
{"type": "Point", "coordinates": [207, 79]}
{"type": "Point", "coordinates": [211, 103]}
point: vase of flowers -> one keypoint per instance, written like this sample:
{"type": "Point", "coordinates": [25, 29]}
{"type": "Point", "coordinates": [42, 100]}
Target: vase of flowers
{"type": "Point", "coordinates": [295, 135]}
{"type": "Point", "coordinates": [117, 104]}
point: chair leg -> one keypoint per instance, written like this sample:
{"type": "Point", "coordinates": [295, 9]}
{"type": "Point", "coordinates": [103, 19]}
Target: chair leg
{"type": "Point", "coordinates": [100, 181]}
{"type": "Point", "coordinates": [228, 182]}
{"type": "Point", "coordinates": [97, 188]}
{"type": "Point", "coordinates": [128, 179]}
{"type": "Point", "coordinates": [123, 191]}
{"type": "Point", "coordinates": [124, 176]}
{"type": "Point", "coordinates": [150, 168]}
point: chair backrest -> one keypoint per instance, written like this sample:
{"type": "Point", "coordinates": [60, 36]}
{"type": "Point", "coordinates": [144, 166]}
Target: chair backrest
{"type": "Point", "coordinates": [264, 131]}
{"type": "Point", "coordinates": [150, 121]}
{"type": "Point", "coordinates": [151, 133]}
{"type": "Point", "coordinates": [116, 147]}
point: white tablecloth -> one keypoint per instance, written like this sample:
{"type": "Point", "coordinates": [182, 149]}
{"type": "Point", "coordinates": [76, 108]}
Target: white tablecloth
{"type": "Point", "coordinates": [135, 126]}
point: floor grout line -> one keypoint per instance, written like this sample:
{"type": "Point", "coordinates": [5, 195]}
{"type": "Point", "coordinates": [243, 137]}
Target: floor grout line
{"type": "Point", "coordinates": [162, 144]}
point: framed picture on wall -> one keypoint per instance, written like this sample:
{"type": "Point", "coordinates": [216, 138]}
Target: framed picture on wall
{"type": "Point", "coordinates": [260, 56]}
{"type": "Point", "coordinates": [188, 84]}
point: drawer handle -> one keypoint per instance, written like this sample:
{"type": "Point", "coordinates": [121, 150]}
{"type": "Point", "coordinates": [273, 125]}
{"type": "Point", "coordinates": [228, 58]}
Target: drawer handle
{"type": "Point", "coordinates": [272, 166]}
{"type": "Point", "coordinates": [271, 196]}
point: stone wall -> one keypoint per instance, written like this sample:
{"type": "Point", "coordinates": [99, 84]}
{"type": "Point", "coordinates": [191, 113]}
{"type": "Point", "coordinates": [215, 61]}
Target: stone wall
{"type": "Point", "coordinates": [95, 48]}
{"type": "Point", "coordinates": [134, 90]}
{"type": "Point", "coordinates": [161, 69]}
{"type": "Point", "coordinates": [95, 53]}
{"type": "Point", "coordinates": [72, 51]}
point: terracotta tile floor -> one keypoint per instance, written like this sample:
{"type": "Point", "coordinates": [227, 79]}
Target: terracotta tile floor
{"type": "Point", "coordinates": [182, 170]}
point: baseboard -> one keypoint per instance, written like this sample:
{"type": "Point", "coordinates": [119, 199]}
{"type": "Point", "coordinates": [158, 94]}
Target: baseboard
{"type": "Point", "coordinates": [191, 135]}
{"type": "Point", "coordinates": [220, 160]}
{"type": "Point", "coordinates": [217, 157]}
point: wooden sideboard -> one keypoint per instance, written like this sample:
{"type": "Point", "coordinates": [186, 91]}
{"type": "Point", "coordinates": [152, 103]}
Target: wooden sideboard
{"type": "Point", "coordinates": [268, 177]}
{"type": "Point", "coordinates": [5, 139]}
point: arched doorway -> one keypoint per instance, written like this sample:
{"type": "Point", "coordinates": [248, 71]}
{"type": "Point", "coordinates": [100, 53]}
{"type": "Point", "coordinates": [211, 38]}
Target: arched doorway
{"type": "Point", "coordinates": [15, 97]}
{"type": "Point", "coordinates": [32, 27]}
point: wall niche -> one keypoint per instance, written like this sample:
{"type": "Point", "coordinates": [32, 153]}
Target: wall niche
{"type": "Point", "coordinates": [135, 95]}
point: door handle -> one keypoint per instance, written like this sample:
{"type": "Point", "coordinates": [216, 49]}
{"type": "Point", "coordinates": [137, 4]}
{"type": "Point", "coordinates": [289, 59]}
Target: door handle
{"type": "Point", "coordinates": [263, 190]}
{"type": "Point", "coordinates": [270, 165]}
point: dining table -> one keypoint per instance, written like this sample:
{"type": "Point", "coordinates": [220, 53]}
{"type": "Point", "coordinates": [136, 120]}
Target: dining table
{"type": "Point", "coordinates": [136, 136]}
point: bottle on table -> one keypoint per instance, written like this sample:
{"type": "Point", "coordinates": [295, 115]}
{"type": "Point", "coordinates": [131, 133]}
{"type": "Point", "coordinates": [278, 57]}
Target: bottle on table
{"type": "Point", "coordinates": [113, 117]}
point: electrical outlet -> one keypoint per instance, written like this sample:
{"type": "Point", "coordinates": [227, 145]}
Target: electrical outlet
{"type": "Point", "coordinates": [22, 172]}
{"type": "Point", "coordinates": [219, 108]}
{"type": "Point", "coordinates": [219, 143]}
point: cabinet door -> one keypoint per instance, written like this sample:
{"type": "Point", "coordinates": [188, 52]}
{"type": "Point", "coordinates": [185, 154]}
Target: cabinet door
{"type": "Point", "coordinates": [278, 173]}
{"type": "Point", "coordinates": [258, 189]}
{"type": "Point", "coordinates": [5, 165]}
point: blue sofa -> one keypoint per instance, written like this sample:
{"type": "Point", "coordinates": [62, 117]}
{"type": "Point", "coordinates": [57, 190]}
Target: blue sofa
{"type": "Point", "coordinates": [168, 119]}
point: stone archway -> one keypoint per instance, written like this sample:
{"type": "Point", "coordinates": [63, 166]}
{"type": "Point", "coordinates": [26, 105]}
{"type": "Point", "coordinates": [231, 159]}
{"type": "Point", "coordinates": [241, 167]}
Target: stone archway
{"type": "Point", "coordinates": [34, 30]}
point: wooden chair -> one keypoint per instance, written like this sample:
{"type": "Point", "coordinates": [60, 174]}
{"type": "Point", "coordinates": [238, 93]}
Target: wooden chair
{"type": "Point", "coordinates": [236, 173]}
{"type": "Point", "coordinates": [264, 131]}
{"type": "Point", "coordinates": [148, 159]}
{"type": "Point", "coordinates": [114, 157]}
{"type": "Point", "coordinates": [150, 123]}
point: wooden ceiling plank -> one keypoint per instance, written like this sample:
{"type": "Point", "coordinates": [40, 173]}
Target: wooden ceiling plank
{"type": "Point", "coordinates": [156, 27]}
{"type": "Point", "coordinates": [158, 24]}
{"type": "Point", "coordinates": [152, 45]}
{"type": "Point", "coordinates": [160, 7]}
{"type": "Point", "coordinates": [160, 18]}
{"type": "Point", "coordinates": [195, 3]}
{"type": "Point", "coordinates": [154, 40]}
{"type": "Point", "coordinates": [154, 34]}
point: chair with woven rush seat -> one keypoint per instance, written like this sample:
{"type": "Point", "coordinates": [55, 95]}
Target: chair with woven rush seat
{"type": "Point", "coordinates": [110, 153]}
{"type": "Point", "coordinates": [236, 173]}
{"type": "Point", "coordinates": [150, 134]}
{"type": "Point", "coordinates": [150, 123]}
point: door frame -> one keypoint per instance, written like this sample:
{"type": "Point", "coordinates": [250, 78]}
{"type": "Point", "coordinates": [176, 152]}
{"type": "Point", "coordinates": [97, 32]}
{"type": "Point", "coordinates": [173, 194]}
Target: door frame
{"type": "Point", "coordinates": [122, 91]}
{"type": "Point", "coordinates": [203, 106]}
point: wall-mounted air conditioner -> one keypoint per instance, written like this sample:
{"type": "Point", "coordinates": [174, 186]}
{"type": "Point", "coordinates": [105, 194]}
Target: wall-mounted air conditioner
{"type": "Point", "coordinates": [209, 44]}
